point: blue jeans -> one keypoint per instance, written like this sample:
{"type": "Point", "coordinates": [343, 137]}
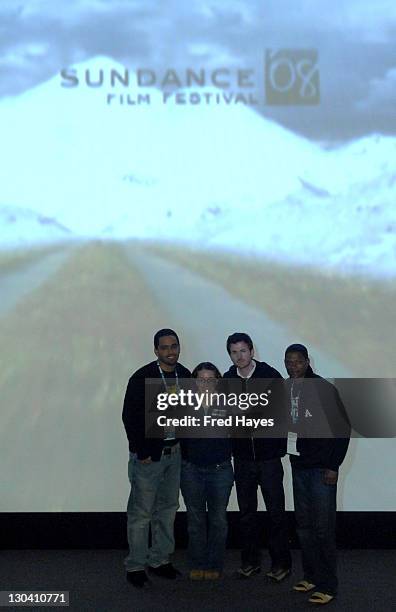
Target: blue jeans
{"type": "Point", "coordinates": [153, 500]}
{"type": "Point", "coordinates": [206, 487]}
{"type": "Point", "coordinates": [315, 511]}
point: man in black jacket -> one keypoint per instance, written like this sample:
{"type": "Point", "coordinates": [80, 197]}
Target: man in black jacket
{"type": "Point", "coordinates": [257, 462]}
{"type": "Point", "coordinates": [154, 467]}
{"type": "Point", "coordinates": [318, 442]}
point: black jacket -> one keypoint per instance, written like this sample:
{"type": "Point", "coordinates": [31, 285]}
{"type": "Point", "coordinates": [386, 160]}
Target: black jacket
{"type": "Point", "coordinates": [259, 448]}
{"type": "Point", "coordinates": [328, 452]}
{"type": "Point", "coordinates": [208, 450]}
{"type": "Point", "coordinates": [133, 413]}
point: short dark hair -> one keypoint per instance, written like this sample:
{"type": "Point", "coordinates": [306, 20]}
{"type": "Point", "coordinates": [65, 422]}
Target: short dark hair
{"type": "Point", "coordinates": [297, 348]}
{"type": "Point", "coordinates": [164, 332]}
{"type": "Point", "coordinates": [239, 337]}
{"type": "Point", "coordinates": [206, 365]}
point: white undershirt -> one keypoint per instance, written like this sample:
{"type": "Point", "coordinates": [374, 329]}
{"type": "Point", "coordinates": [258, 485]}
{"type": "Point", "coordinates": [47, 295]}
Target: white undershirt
{"type": "Point", "coordinates": [250, 373]}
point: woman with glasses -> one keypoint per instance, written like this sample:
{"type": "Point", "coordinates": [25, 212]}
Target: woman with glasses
{"type": "Point", "coordinates": [206, 482]}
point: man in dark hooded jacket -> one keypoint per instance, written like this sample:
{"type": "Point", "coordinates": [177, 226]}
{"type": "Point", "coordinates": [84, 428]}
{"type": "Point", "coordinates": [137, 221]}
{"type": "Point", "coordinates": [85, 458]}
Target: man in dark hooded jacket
{"type": "Point", "coordinates": [257, 462]}
{"type": "Point", "coordinates": [318, 442]}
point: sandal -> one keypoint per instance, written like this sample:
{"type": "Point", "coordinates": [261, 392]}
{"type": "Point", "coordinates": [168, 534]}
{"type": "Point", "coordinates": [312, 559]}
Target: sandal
{"type": "Point", "coordinates": [320, 598]}
{"type": "Point", "coordinates": [303, 586]}
{"type": "Point", "coordinates": [196, 574]}
{"type": "Point", "coordinates": [211, 575]}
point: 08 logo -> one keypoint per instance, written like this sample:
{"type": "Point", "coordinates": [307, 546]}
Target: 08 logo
{"type": "Point", "coordinates": [292, 77]}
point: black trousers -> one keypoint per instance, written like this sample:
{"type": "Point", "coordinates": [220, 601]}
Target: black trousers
{"type": "Point", "coordinates": [268, 475]}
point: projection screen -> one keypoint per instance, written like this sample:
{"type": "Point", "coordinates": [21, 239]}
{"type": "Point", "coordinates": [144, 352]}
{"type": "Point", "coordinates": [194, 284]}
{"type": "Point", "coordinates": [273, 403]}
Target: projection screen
{"type": "Point", "coordinates": [209, 166]}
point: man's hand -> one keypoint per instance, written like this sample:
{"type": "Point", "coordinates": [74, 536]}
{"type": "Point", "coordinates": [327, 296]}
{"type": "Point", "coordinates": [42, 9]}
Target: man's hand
{"type": "Point", "coordinates": [147, 460]}
{"type": "Point", "coordinates": [330, 477]}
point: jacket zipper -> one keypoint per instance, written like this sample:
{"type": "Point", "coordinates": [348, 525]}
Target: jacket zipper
{"type": "Point", "coordinates": [251, 437]}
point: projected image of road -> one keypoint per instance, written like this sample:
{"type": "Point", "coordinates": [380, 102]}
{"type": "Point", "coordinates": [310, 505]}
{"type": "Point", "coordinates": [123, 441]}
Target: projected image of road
{"type": "Point", "coordinates": [235, 177]}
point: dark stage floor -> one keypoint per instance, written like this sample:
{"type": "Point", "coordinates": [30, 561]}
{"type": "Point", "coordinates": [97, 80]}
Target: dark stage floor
{"type": "Point", "coordinates": [96, 581]}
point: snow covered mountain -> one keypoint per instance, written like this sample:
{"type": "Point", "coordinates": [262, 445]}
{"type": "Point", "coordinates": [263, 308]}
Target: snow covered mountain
{"type": "Point", "coordinates": [91, 164]}
{"type": "Point", "coordinates": [208, 174]}
{"type": "Point", "coordinates": [352, 232]}
{"type": "Point", "coordinates": [22, 226]}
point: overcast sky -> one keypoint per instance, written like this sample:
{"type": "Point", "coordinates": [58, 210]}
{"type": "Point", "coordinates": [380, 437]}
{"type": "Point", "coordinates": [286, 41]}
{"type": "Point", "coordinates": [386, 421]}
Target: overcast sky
{"type": "Point", "coordinates": [355, 40]}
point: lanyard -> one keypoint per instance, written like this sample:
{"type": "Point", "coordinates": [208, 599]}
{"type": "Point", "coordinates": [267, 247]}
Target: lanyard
{"type": "Point", "coordinates": [169, 432]}
{"type": "Point", "coordinates": [164, 379]}
{"type": "Point", "coordinates": [294, 401]}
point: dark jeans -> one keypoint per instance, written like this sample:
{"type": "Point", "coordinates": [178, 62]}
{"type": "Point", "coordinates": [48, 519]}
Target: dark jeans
{"type": "Point", "coordinates": [315, 510]}
{"type": "Point", "coordinates": [206, 486]}
{"type": "Point", "coordinates": [268, 475]}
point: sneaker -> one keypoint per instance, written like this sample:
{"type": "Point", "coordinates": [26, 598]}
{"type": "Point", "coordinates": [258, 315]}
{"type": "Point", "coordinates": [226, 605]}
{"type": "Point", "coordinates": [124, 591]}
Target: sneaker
{"type": "Point", "coordinates": [248, 570]}
{"type": "Point", "coordinates": [278, 573]}
{"type": "Point", "coordinates": [165, 571]}
{"type": "Point", "coordinates": [197, 574]}
{"type": "Point", "coordinates": [137, 578]}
